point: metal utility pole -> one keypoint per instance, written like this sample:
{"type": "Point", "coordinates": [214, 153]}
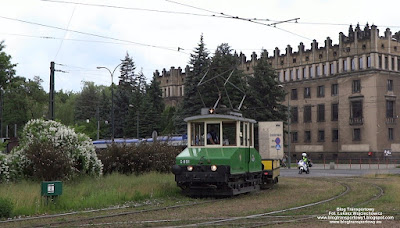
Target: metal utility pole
{"type": "Point", "coordinates": [137, 125]}
{"type": "Point", "coordinates": [289, 136]}
{"type": "Point", "coordinates": [112, 97]}
{"type": "Point", "coordinates": [51, 92]}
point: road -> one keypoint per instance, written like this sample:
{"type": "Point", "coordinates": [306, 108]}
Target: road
{"type": "Point", "coordinates": [344, 171]}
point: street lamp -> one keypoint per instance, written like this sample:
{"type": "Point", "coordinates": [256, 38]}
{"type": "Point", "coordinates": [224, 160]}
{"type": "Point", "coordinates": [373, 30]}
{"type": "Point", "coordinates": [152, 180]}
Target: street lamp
{"type": "Point", "coordinates": [112, 97]}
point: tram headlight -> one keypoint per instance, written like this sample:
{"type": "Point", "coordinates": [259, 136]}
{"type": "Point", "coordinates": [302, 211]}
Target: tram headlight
{"type": "Point", "coordinates": [190, 168]}
{"type": "Point", "coordinates": [213, 168]}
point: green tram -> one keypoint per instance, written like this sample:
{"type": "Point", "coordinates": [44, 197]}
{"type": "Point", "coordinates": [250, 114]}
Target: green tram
{"type": "Point", "coordinates": [220, 159]}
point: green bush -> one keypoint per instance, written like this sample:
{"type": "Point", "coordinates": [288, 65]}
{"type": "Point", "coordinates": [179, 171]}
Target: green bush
{"type": "Point", "coordinates": [4, 168]}
{"type": "Point", "coordinates": [48, 162]}
{"type": "Point", "coordinates": [45, 142]}
{"type": "Point", "coordinates": [6, 208]}
{"type": "Point", "coordinates": [138, 159]}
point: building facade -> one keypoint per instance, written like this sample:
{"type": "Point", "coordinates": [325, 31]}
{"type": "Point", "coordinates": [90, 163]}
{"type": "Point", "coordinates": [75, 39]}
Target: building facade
{"type": "Point", "coordinates": [172, 84]}
{"type": "Point", "coordinates": [343, 97]}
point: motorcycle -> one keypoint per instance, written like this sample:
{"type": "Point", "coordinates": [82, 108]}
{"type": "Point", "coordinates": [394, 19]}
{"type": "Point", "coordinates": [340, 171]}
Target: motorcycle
{"type": "Point", "coordinates": [303, 167]}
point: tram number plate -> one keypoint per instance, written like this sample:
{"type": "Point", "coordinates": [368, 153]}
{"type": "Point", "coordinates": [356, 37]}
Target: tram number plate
{"type": "Point", "coordinates": [185, 161]}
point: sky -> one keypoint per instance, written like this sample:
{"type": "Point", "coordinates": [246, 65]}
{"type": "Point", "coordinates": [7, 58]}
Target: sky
{"type": "Point", "coordinates": [80, 35]}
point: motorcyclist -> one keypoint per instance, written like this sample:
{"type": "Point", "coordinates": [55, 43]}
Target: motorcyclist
{"type": "Point", "coordinates": [306, 159]}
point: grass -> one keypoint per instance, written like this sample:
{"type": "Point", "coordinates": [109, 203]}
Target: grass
{"type": "Point", "coordinates": [89, 192]}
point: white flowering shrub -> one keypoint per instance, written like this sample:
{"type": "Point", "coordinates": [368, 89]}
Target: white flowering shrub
{"type": "Point", "coordinates": [39, 138]}
{"type": "Point", "coordinates": [4, 168]}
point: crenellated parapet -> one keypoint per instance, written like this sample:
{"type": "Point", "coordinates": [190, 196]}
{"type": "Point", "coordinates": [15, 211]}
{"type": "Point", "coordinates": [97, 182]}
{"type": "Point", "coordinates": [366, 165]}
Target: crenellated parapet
{"type": "Point", "coordinates": [359, 50]}
{"type": "Point", "coordinates": [172, 84]}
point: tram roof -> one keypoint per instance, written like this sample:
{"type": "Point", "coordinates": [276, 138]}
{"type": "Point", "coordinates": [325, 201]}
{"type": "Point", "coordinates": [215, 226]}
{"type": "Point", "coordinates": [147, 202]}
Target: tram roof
{"type": "Point", "coordinates": [218, 116]}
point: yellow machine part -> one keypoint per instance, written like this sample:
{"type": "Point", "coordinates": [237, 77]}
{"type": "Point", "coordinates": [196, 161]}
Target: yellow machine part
{"type": "Point", "coordinates": [270, 164]}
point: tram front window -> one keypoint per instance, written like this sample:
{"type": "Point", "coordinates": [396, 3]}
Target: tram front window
{"type": "Point", "coordinates": [229, 133]}
{"type": "Point", "coordinates": [213, 134]}
{"type": "Point", "coordinates": [197, 134]}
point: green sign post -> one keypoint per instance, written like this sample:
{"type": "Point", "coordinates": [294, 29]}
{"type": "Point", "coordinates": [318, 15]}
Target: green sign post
{"type": "Point", "coordinates": [51, 189]}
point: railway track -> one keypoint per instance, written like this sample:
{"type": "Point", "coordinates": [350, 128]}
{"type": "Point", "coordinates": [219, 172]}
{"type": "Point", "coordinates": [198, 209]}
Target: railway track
{"type": "Point", "coordinates": [253, 220]}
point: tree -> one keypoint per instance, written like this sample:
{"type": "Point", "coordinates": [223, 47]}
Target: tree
{"type": "Point", "coordinates": [223, 66]}
{"type": "Point", "coordinates": [105, 113]}
{"type": "Point", "coordinates": [7, 73]}
{"type": "Point", "coordinates": [264, 102]}
{"type": "Point", "coordinates": [167, 123]}
{"type": "Point", "coordinates": [15, 104]}
{"type": "Point", "coordinates": [138, 107]}
{"type": "Point", "coordinates": [87, 102]}
{"type": "Point", "coordinates": [151, 109]}
{"type": "Point", "coordinates": [192, 103]}
{"type": "Point", "coordinates": [37, 98]}
{"type": "Point", "coordinates": [7, 70]}
{"type": "Point", "coordinates": [125, 88]}
{"type": "Point", "coordinates": [65, 103]}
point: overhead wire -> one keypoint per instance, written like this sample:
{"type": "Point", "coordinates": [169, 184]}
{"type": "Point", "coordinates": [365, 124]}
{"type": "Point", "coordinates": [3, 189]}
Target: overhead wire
{"type": "Point", "coordinates": [92, 34]}
{"type": "Point", "coordinates": [65, 34]}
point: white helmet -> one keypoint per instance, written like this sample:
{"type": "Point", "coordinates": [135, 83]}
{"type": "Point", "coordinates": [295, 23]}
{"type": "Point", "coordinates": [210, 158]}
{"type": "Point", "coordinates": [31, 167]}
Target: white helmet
{"type": "Point", "coordinates": [304, 154]}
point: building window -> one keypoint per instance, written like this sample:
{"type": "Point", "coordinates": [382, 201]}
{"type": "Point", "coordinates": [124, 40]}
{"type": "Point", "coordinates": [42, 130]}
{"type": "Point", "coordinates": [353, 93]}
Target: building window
{"type": "Point", "coordinates": [356, 112]}
{"type": "Point", "coordinates": [294, 60]}
{"type": "Point", "coordinates": [386, 63]}
{"type": "Point", "coordinates": [353, 64]}
{"type": "Point", "coordinates": [380, 61]}
{"type": "Point", "coordinates": [318, 71]}
{"type": "Point", "coordinates": [279, 76]}
{"type": "Point", "coordinates": [297, 74]}
{"type": "Point", "coordinates": [321, 91]}
{"type": "Point", "coordinates": [335, 135]}
{"type": "Point", "coordinates": [356, 86]}
{"type": "Point", "coordinates": [310, 72]}
{"type": "Point", "coordinates": [335, 112]}
{"type": "Point", "coordinates": [295, 136]}
{"type": "Point", "coordinates": [285, 76]}
{"type": "Point", "coordinates": [321, 136]}
{"type": "Point", "coordinates": [334, 89]}
{"type": "Point", "coordinates": [321, 113]}
{"type": "Point", "coordinates": [389, 109]}
{"type": "Point", "coordinates": [390, 134]}
{"type": "Point", "coordinates": [360, 63]}
{"type": "Point", "coordinates": [294, 111]}
{"type": "Point", "coordinates": [368, 61]}
{"type": "Point", "coordinates": [392, 64]}
{"type": "Point", "coordinates": [294, 94]}
{"type": "Point", "coordinates": [398, 63]}
{"type": "Point", "coordinates": [307, 114]}
{"type": "Point", "coordinates": [389, 85]}
{"type": "Point", "coordinates": [325, 69]}
{"type": "Point", "coordinates": [304, 72]}
{"type": "Point", "coordinates": [356, 134]}
{"type": "Point", "coordinates": [332, 68]}
{"type": "Point", "coordinates": [291, 75]}
{"type": "Point", "coordinates": [344, 65]}
{"type": "Point", "coordinates": [307, 136]}
{"type": "Point", "coordinates": [307, 92]}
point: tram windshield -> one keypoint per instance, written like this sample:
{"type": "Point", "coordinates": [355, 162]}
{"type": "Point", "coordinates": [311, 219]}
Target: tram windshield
{"type": "Point", "coordinates": [229, 133]}
{"type": "Point", "coordinates": [197, 137]}
{"type": "Point", "coordinates": [226, 133]}
{"type": "Point", "coordinates": [213, 134]}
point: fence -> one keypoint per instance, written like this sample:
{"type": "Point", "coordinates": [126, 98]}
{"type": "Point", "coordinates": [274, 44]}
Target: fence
{"type": "Point", "coordinates": [359, 163]}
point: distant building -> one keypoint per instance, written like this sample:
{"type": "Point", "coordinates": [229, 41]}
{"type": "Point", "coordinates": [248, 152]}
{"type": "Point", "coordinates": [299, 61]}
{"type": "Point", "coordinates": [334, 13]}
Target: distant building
{"type": "Point", "coordinates": [343, 97]}
{"type": "Point", "coordinates": [172, 84]}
